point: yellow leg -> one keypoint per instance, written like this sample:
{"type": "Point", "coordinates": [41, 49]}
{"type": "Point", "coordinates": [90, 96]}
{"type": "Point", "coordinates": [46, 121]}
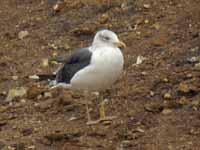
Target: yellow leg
{"type": "Point", "coordinates": [102, 112]}
{"type": "Point", "coordinates": [88, 112]}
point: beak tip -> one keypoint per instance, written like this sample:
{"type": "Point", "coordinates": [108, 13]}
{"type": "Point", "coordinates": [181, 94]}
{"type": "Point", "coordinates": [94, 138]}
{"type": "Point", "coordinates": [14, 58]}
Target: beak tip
{"type": "Point", "coordinates": [121, 44]}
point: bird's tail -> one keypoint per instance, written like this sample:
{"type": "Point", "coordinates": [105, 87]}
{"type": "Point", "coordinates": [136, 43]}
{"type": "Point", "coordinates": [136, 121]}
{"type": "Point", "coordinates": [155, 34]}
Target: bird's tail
{"type": "Point", "coordinates": [42, 77]}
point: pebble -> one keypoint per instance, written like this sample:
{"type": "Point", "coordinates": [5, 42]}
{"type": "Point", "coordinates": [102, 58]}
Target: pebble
{"type": "Point", "coordinates": [167, 96]}
{"type": "Point", "coordinates": [17, 92]}
{"type": "Point", "coordinates": [146, 21]}
{"type": "Point", "coordinates": [156, 108]}
{"type": "Point", "coordinates": [147, 6]}
{"type": "Point", "coordinates": [45, 62]}
{"type": "Point", "coordinates": [165, 80]}
{"type": "Point", "coordinates": [140, 60]}
{"type": "Point", "coordinates": [152, 93]}
{"type": "Point", "coordinates": [183, 88]}
{"type": "Point", "coordinates": [166, 111]}
{"type": "Point", "coordinates": [156, 26]}
{"type": "Point", "coordinates": [47, 95]}
{"type": "Point", "coordinates": [197, 67]}
{"type": "Point", "coordinates": [126, 143]}
{"type": "Point", "coordinates": [45, 105]}
{"type": "Point", "coordinates": [22, 34]}
{"type": "Point", "coordinates": [104, 18]}
{"type": "Point", "coordinates": [15, 77]}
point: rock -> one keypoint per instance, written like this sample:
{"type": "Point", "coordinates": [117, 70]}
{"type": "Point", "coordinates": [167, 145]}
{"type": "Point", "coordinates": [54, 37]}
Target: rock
{"type": "Point", "coordinates": [167, 96]}
{"type": "Point", "coordinates": [156, 26]}
{"type": "Point", "coordinates": [83, 31]}
{"type": "Point", "coordinates": [22, 34]}
{"type": "Point", "coordinates": [45, 105]}
{"type": "Point", "coordinates": [126, 144]}
{"type": "Point", "coordinates": [27, 131]}
{"type": "Point", "coordinates": [31, 147]}
{"type": "Point", "coordinates": [35, 91]}
{"type": "Point", "coordinates": [45, 63]}
{"type": "Point", "coordinates": [183, 88]}
{"type": "Point", "coordinates": [140, 59]}
{"type": "Point", "coordinates": [152, 93]}
{"type": "Point", "coordinates": [59, 6]}
{"type": "Point", "coordinates": [3, 122]}
{"type": "Point", "coordinates": [47, 95]}
{"type": "Point", "coordinates": [166, 111]}
{"type": "Point", "coordinates": [16, 93]}
{"type": "Point", "coordinates": [147, 6]}
{"type": "Point", "coordinates": [165, 80]}
{"type": "Point", "coordinates": [197, 67]}
{"type": "Point", "coordinates": [154, 107]}
{"type": "Point", "coordinates": [15, 77]}
{"type": "Point", "coordinates": [104, 18]}
{"type": "Point", "coordinates": [194, 59]}
{"type": "Point", "coordinates": [195, 103]}
{"type": "Point", "coordinates": [3, 109]}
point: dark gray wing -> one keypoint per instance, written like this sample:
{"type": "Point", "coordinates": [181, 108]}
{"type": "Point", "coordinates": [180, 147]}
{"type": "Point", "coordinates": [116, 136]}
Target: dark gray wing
{"type": "Point", "coordinates": [78, 60]}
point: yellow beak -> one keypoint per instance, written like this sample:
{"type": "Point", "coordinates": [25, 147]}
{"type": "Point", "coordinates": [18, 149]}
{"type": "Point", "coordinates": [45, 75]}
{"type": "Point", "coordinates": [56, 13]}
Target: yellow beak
{"type": "Point", "coordinates": [120, 44]}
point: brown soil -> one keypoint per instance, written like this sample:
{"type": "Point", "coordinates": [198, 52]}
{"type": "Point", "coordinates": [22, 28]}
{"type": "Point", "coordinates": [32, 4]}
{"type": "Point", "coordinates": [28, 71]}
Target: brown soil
{"type": "Point", "coordinates": [157, 103]}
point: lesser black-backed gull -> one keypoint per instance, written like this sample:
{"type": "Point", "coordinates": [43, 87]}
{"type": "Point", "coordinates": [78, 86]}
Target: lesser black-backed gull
{"type": "Point", "coordinates": [94, 68]}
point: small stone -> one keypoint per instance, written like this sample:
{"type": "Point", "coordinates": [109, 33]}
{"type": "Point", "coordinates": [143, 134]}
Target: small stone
{"type": "Point", "coordinates": [156, 26]}
{"type": "Point", "coordinates": [140, 130]}
{"type": "Point", "coordinates": [147, 6]}
{"type": "Point", "coordinates": [126, 143]}
{"type": "Point", "coordinates": [45, 105]}
{"type": "Point", "coordinates": [3, 122]}
{"type": "Point", "coordinates": [22, 34]}
{"type": "Point", "coordinates": [144, 73]}
{"type": "Point", "coordinates": [31, 147]}
{"type": "Point", "coordinates": [27, 131]}
{"type": "Point", "coordinates": [15, 93]}
{"type": "Point", "coordinates": [195, 49]}
{"type": "Point", "coordinates": [165, 80]}
{"type": "Point", "coordinates": [156, 108]}
{"type": "Point", "coordinates": [23, 101]}
{"type": "Point", "coordinates": [195, 103]}
{"type": "Point", "coordinates": [146, 21]}
{"type": "Point", "coordinates": [167, 96]}
{"type": "Point", "coordinates": [166, 111]}
{"type": "Point", "coordinates": [3, 109]}
{"type": "Point", "coordinates": [197, 67]}
{"type": "Point", "coordinates": [184, 88]}
{"type": "Point", "coordinates": [15, 77]}
{"type": "Point", "coordinates": [140, 60]}
{"type": "Point", "coordinates": [39, 97]}
{"type": "Point", "coordinates": [72, 118]}
{"type": "Point", "coordinates": [47, 95]}
{"type": "Point", "coordinates": [34, 91]}
{"type": "Point", "coordinates": [104, 18]}
{"type": "Point", "coordinates": [152, 93]}
{"type": "Point", "coordinates": [45, 62]}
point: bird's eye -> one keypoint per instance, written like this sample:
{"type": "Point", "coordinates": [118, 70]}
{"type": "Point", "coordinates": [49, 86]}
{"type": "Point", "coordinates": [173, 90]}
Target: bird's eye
{"type": "Point", "coordinates": [106, 38]}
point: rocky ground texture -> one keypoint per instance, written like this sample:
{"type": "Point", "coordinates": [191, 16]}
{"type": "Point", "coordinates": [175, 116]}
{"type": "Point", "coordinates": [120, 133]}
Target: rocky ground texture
{"type": "Point", "coordinates": [156, 101]}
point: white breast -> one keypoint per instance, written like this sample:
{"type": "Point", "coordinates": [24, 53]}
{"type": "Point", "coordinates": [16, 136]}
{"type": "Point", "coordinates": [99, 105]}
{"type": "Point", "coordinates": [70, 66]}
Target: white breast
{"type": "Point", "coordinates": [105, 68]}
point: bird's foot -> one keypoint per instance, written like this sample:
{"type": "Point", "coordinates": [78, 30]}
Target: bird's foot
{"type": "Point", "coordinates": [101, 120]}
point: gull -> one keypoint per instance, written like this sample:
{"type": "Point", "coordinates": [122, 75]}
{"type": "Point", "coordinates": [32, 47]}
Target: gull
{"type": "Point", "coordinates": [93, 68]}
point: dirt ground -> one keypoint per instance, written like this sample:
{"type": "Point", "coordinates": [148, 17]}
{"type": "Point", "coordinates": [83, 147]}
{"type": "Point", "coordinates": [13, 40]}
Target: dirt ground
{"type": "Point", "coordinates": [157, 102]}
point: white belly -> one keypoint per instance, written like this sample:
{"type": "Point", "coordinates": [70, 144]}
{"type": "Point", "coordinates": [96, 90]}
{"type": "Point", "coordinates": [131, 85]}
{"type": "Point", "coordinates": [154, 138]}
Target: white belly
{"type": "Point", "coordinates": [105, 68]}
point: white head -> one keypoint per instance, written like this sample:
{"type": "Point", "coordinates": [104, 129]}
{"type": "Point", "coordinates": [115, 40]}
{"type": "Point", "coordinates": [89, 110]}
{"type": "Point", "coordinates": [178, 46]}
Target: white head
{"type": "Point", "coordinates": [107, 38]}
